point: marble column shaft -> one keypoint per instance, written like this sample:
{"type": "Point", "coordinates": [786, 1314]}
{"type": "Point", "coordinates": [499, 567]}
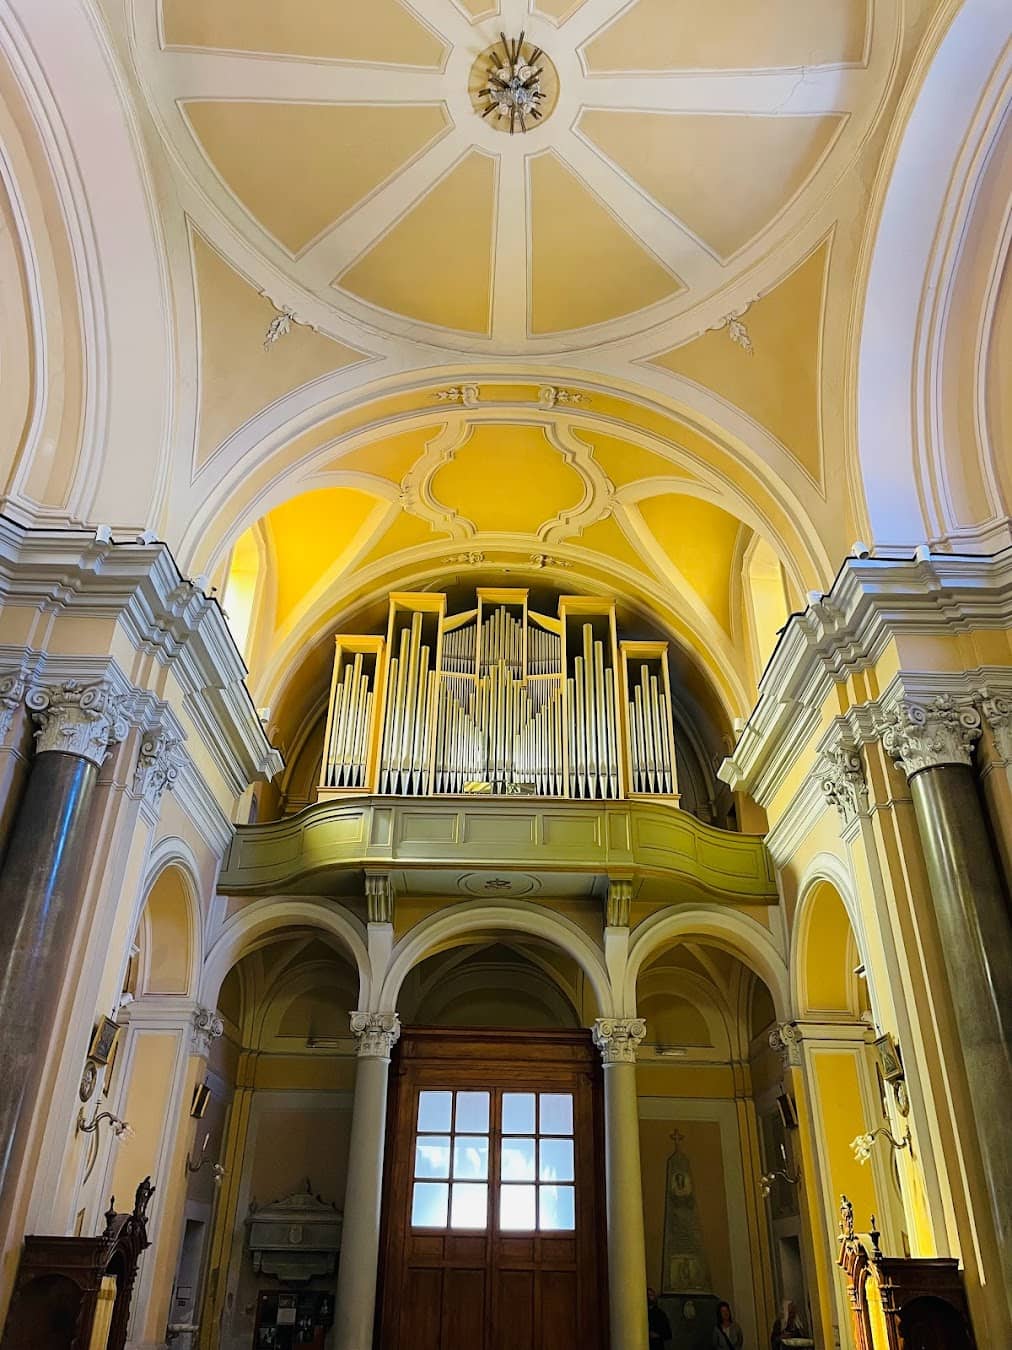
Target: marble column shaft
{"type": "Point", "coordinates": [617, 1040]}
{"type": "Point", "coordinates": [976, 937]}
{"type": "Point", "coordinates": [40, 889]}
{"type": "Point", "coordinates": [357, 1273]}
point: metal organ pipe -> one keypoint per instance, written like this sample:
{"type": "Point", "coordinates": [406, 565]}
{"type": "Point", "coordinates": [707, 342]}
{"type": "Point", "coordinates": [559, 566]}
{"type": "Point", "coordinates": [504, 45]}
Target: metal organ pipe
{"type": "Point", "coordinates": [650, 736]}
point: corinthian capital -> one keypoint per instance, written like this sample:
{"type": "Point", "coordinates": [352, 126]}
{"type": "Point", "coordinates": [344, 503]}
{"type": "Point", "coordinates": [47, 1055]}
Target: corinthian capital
{"type": "Point", "coordinates": [785, 1039]}
{"type": "Point", "coordinates": [12, 694]}
{"type": "Point", "coordinates": [843, 783]}
{"type": "Point", "coordinates": [79, 719]}
{"type": "Point", "coordinates": [926, 735]}
{"type": "Point", "coordinates": [618, 1037]}
{"type": "Point", "coordinates": [207, 1027]}
{"type": "Point", "coordinates": [377, 1033]}
{"type": "Point", "coordinates": [158, 765]}
{"type": "Point", "coordinates": [997, 710]}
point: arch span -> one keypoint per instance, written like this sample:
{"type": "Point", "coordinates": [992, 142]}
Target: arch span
{"type": "Point", "coordinates": [519, 917]}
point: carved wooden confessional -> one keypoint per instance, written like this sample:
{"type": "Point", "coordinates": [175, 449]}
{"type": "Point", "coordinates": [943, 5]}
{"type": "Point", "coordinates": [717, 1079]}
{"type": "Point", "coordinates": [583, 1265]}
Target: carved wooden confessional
{"type": "Point", "coordinates": [73, 1293]}
{"type": "Point", "coordinates": [499, 700]}
{"type": "Point", "coordinates": [922, 1299]}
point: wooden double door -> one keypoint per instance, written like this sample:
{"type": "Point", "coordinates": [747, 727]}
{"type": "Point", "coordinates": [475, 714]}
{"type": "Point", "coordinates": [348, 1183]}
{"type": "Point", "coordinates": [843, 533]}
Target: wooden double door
{"type": "Point", "coordinates": [493, 1218]}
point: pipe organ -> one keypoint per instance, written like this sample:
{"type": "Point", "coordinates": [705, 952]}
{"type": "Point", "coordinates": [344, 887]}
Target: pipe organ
{"type": "Point", "coordinates": [499, 699]}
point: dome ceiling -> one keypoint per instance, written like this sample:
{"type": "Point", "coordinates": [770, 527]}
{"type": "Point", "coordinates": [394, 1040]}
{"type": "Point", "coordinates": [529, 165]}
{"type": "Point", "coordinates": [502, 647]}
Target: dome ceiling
{"type": "Point", "coordinates": [340, 151]}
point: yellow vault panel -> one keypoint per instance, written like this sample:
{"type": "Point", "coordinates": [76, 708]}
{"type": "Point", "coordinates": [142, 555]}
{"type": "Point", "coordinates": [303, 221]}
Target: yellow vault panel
{"type": "Point", "coordinates": [586, 266]}
{"type": "Point", "coordinates": [540, 482]}
{"type": "Point", "coordinates": [310, 533]}
{"type": "Point", "coordinates": [234, 317]}
{"type": "Point", "coordinates": [778, 384]}
{"type": "Point", "coordinates": [435, 265]}
{"type": "Point", "coordinates": [735, 35]}
{"type": "Point", "coordinates": [298, 167]}
{"type": "Point", "coordinates": [390, 457]}
{"type": "Point", "coordinates": [626, 463]}
{"type": "Point", "coordinates": [725, 177]}
{"type": "Point", "coordinates": [700, 539]}
{"type": "Point", "coordinates": [382, 31]}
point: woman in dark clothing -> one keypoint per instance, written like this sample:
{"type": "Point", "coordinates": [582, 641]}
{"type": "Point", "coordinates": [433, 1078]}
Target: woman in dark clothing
{"type": "Point", "coordinates": [727, 1333]}
{"type": "Point", "coordinates": [658, 1326]}
{"type": "Point", "coordinates": [788, 1324]}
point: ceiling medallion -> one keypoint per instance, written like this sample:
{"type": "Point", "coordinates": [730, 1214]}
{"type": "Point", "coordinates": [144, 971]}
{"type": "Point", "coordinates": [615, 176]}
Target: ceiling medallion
{"type": "Point", "coordinates": [516, 84]}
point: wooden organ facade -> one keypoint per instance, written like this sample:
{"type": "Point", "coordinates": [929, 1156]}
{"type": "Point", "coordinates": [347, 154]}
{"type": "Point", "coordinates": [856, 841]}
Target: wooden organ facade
{"type": "Point", "coordinates": [499, 699]}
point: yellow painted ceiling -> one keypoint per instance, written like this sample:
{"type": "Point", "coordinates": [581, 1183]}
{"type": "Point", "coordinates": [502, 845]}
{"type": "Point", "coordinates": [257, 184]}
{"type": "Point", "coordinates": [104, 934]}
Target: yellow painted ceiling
{"type": "Point", "coordinates": [298, 167]}
{"type": "Point", "coordinates": [383, 30]}
{"type": "Point", "coordinates": [345, 148]}
{"type": "Point", "coordinates": [573, 234]}
{"type": "Point", "coordinates": [626, 463]}
{"type": "Point", "coordinates": [472, 483]}
{"type": "Point", "coordinates": [308, 534]}
{"type": "Point", "coordinates": [450, 232]}
{"type": "Point", "coordinates": [715, 173]}
{"type": "Point", "coordinates": [778, 384]}
{"type": "Point", "coordinates": [233, 319]}
{"type": "Point", "coordinates": [700, 540]}
{"type": "Point", "coordinates": [734, 35]}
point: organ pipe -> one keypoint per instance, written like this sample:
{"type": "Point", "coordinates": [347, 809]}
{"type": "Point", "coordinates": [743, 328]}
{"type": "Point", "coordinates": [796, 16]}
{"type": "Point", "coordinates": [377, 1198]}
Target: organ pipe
{"type": "Point", "coordinates": [499, 700]}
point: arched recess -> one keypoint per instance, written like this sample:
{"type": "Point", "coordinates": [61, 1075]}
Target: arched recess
{"type": "Point", "coordinates": [169, 933]}
{"type": "Point", "coordinates": [826, 958]}
{"type": "Point", "coordinates": [494, 983]}
{"type": "Point", "coordinates": [742, 936]}
{"type": "Point", "coordinates": [460, 923]}
{"type": "Point", "coordinates": [914, 478]}
{"type": "Point", "coordinates": [264, 921]}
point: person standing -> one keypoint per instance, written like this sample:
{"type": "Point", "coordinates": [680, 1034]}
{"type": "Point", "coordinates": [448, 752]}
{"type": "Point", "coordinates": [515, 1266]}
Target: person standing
{"type": "Point", "coordinates": [658, 1326]}
{"type": "Point", "coordinates": [727, 1333]}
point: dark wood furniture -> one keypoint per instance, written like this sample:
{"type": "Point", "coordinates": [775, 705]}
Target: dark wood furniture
{"type": "Point", "coordinates": [923, 1298]}
{"type": "Point", "coordinates": [59, 1285]}
{"type": "Point", "coordinates": [493, 1289]}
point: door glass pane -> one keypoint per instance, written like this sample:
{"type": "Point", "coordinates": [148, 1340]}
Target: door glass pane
{"type": "Point", "coordinates": [472, 1112]}
{"type": "Point", "coordinates": [432, 1156]}
{"type": "Point", "coordinates": [556, 1111]}
{"type": "Point", "coordinates": [469, 1207]}
{"type": "Point", "coordinates": [434, 1110]}
{"type": "Point", "coordinates": [470, 1157]}
{"type": "Point", "coordinates": [516, 1208]}
{"type": "Point", "coordinates": [555, 1161]}
{"type": "Point", "coordinates": [557, 1208]}
{"type": "Point", "coordinates": [518, 1113]}
{"type": "Point", "coordinates": [429, 1204]}
{"type": "Point", "coordinates": [517, 1160]}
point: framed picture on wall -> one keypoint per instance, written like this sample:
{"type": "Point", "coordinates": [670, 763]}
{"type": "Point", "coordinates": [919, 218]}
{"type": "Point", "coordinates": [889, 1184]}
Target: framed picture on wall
{"type": "Point", "coordinates": [103, 1043]}
{"type": "Point", "coordinates": [889, 1058]}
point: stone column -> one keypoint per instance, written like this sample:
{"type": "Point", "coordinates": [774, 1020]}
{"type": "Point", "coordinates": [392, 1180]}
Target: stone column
{"type": "Point", "coordinates": [617, 1039]}
{"type": "Point", "coordinates": [43, 878]}
{"type": "Point", "coordinates": [356, 1276]}
{"type": "Point", "coordinates": [933, 743]}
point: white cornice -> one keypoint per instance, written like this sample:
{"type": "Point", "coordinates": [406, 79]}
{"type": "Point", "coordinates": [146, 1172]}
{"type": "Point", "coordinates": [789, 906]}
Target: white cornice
{"type": "Point", "coordinates": [165, 616]}
{"type": "Point", "coordinates": [844, 632]}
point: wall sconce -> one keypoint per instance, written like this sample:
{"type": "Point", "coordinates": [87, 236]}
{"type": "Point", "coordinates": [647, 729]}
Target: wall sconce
{"type": "Point", "coordinates": [120, 1130]}
{"type": "Point", "coordinates": [216, 1167]}
{"type": "Point", "coordinates": [201, 1096]}
{"type": "Point", "coordinates": [782, 1174]}
{"type": "Point", "coordinates": [863, 1144]}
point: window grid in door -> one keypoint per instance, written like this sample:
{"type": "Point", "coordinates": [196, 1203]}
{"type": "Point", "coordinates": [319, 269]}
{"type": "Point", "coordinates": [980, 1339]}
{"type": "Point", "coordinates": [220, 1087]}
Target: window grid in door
{"type": "Point", "coordinates": [451, 1161]}
{"type": "Point", "coordinates": [537, 1164]}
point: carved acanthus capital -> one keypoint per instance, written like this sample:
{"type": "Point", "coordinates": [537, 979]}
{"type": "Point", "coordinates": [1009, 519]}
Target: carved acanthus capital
{"type": "Point", "coordinates": [207, 1027]}
{"type": "Point", "coordinates": [619, 900]}
{"type": "Point", "coordinates": [926, 735]}
{"type": "Point", "coordinates": [13, 686]}
{"type": "Point", "coordinates": [379, 897]}
{"type": "Point", "coordinates": [843, 782]}
{"type": "Point", "coordinates": [78, 719]}
{"type": "Point", "coordinates": [158, 764]}
{"type": "Point", "coordinates": [997, 710]}
{"type": "Point", "coordinates": [377, 1033]}
{"type": "Point", "coordinates": [785, 1039]}
{"type": "Point", "coordinates": [617, 1038]}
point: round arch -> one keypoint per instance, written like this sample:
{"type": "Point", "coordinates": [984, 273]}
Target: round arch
{"type": "Point", "coordinates": [826, 947]}
{"type": "Point", "coordinates": [169, 920]}
{"type": "Point", "coordinates": [519, 917]}
{"type": "Point", "coordinates": [273, 917]}
{"type": "Point", "coordinates": [951, 114]}
{"type": "Point", "coordinates": [745, 938]}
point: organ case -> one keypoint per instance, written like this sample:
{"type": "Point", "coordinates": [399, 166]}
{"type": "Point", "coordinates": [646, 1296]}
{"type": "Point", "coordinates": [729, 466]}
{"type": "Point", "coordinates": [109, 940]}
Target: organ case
{"type": "Point", "coordinates": [499, 699]}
